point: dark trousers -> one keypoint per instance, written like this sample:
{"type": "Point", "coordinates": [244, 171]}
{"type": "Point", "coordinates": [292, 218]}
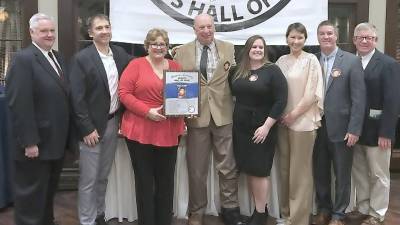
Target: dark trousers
{"type": "Point", "coordinates": [154, 169]}
{"type": "Point", "coordinates": [327, 153]}
{"type": "Point", "coordinates": [35, 186]}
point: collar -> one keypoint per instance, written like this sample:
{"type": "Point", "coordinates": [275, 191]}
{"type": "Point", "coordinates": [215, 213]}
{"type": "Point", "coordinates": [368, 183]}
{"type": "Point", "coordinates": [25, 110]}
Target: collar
{"type": "Point", "coordinates": [109, 54]}
{"type": "Point", "coordinates": [333, 53]}
{"type": "Point", "coordinates": [42, 50]}
{"type": "Point", "coordinates": [367, 56]}
{"type": "Point", "coordinates": [199, 45]}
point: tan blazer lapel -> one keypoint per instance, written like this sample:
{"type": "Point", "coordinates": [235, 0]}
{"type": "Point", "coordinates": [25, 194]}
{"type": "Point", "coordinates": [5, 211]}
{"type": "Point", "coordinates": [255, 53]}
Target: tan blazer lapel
{"type": "Point", "coordinates": [189, 63]}
{"type": "Point", "coordinates": [221, 60]}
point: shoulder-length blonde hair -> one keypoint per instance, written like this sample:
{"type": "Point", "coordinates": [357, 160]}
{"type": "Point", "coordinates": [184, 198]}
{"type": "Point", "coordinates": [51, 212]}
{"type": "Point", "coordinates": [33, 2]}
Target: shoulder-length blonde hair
{"type": "Point", "coordinates": [243, 68]}
{"type": "Point", "coordinates": [153, 34]}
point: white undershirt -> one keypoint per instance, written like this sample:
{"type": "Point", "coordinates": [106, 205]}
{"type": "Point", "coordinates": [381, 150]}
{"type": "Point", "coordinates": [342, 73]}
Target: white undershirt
{"type": "Point", "coordinates": [365, 59]}
{"type": "Point", "coordinates": [112, 77]}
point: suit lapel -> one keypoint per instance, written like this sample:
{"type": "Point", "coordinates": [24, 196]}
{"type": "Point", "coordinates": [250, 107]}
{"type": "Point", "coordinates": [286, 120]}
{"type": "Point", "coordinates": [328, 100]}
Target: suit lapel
{"type": "Point", "coordinates": [99, 65]}
{"type": "Point", "coordinates": [42, 60]}
{"type": "Point", "coordinates": [336, 64]}
{"type": "Point", "coordinates": [220, 50]}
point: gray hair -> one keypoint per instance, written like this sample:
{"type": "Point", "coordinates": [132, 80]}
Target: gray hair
{"type": "Point", "coordinates": [365, 27]}
{"type": "Point", "coordinates": [34, 20]}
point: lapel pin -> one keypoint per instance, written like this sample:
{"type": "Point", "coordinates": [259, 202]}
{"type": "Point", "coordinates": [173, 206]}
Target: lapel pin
{"type": "Point", "coordinates": [253, 77]}
{"type": "Point", "coordinates": [227, 65]}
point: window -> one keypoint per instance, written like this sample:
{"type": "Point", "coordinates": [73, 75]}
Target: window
{"type": "Point", "coordinates": [87, 8]}
{"type": "Point", "coordinates": [343, 16]}
{"type": "Point", "coordinates": [11, 33]}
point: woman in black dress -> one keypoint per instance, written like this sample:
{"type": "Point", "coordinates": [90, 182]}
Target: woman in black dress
{"type": "Point", "coordinates": [260, 89]}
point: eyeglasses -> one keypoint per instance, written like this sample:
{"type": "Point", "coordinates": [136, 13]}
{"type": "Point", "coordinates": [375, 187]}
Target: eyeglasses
{"type": "Point", "coordinates": [362, 38]}
{"type": "Point", "coordinates": [158, 46]}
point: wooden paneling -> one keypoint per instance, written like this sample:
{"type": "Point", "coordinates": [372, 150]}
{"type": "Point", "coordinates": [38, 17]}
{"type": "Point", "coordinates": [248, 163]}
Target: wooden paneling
{"type": "Point", "coordinates": [347, 14]}
{"type": "Point", "coordinates": [28, 9]}
{"type": "Point", "coordinates": [392, 37]}
{"type": "Point", "coordinates": [68, 30]}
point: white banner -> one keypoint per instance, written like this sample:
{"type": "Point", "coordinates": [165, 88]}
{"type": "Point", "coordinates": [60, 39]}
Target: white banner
{"type": "Point", "coordinates": [235, 20]}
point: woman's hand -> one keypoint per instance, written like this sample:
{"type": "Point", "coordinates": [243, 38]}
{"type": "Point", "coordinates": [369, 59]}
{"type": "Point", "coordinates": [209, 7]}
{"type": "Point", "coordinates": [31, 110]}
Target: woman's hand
{"type": "Point", "coordinates": [154, 114]}
{"type": "Point", "coordinates": [261, 134]}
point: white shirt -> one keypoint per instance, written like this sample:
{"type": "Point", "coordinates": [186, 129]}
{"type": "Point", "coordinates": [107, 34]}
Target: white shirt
{"type": "Point", "coordinates": [46, 55]}
{"type": "Point", "coordinates": [366, 58]}
{"type": "Point", "coordinates": [327, 64]}
{"type": "Point", "coordinates": [212, 59]}
{"type": "Point", "coordinates": [112, 77]}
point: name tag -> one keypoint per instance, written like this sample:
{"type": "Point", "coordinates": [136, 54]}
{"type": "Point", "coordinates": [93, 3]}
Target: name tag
{"type": "Point", "coordinates": [375, 113]}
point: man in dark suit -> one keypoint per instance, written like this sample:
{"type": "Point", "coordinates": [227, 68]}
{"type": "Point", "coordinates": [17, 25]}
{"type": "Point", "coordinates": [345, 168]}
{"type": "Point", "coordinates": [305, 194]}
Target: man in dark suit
{"type": "Point", "coordinates": [94, 79]}
{"type": "Point", "coordinates": [344, 106]}
{"type": "Point", "coordinates": [38, 98]}
{"type": "Point", "coordinates": [371, 160]}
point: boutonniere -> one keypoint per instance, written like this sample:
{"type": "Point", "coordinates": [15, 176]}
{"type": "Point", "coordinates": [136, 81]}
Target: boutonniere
{"type": "Point", "coordinates": [336, 73]}
{"type": "Point", "coordinates": [227, 65]}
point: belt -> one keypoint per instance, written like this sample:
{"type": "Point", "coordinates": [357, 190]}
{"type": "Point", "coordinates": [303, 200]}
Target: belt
{"type": "Point", "coordinates": [112, 115]}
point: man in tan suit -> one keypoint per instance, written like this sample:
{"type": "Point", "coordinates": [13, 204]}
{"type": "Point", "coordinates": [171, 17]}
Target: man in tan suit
{"type": "Point", "coordinates": [213, 128]}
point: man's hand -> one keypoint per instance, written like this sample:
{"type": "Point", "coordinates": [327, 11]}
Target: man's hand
{"type": "Point", "coordinates": [351, 139]}
{"type": "Point", "coordinates": [91, 139]}
{"type": "Point", "coordinates": [154, 114]}
{"type": "Point", "coordinates": [384, 143]}
{"type": "Point", "coordinates": [173, 50]}
{"type": "Point", "coordinates": [32, 151]}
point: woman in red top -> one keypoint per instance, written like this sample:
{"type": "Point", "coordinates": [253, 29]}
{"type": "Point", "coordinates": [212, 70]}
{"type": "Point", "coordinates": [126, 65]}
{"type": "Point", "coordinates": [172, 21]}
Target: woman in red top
{"type": "Point", "coordinates": [152, 138]}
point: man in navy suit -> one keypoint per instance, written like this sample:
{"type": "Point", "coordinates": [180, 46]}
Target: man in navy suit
{"type": "Point", "coordinates": [344, 106]}
{"type": "Point", "coordinates": [371, 160]}
{"type": "Point", "coordinates": [94, 76]}
{"type": "Point", "coordinates": [38, 97]}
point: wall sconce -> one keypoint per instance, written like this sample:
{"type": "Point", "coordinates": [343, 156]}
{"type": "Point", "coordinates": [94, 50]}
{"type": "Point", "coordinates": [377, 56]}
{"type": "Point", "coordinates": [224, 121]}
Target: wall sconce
{"type": "Point", "coordinates": [3, 14]}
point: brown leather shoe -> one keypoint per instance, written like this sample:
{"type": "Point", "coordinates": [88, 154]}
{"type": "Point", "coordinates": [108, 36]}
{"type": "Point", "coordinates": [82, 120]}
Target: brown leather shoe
{"type": "Point", "coordinates": [321, 219]}
{"type": "Point", "coordinates": [195, 219]}
{"type": "Point", "coordinates": [356, 215]}
{"type": "Point", "coordinates": [372, 221]}
{"type": "Point", "coordinates": [336, 222]}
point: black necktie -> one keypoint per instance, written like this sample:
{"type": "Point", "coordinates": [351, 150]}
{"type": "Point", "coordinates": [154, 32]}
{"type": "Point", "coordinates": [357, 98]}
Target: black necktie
{"type": "Point", "coordinates": [203, 61]}
{"type": "Point", "coordinates": [60, 73]}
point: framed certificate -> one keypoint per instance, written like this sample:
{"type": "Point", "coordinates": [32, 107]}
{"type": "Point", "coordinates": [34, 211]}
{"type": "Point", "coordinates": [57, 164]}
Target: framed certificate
{"type": "Point", "coordinates": [181, 93]}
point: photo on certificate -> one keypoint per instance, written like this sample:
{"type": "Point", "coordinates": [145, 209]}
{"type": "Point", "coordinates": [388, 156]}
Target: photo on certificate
{"type": "Point", "coordinates": [181, 93]}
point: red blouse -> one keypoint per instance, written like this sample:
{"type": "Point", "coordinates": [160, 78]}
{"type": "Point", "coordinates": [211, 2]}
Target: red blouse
{"type": "Point", "coordinates": [139, 90]}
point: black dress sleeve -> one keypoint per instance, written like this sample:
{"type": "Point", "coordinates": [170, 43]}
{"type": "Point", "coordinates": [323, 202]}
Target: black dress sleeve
{"type": "Point", "coordinates": [231, 75]}
{"type": "Point", "coordinates": [280, 92]}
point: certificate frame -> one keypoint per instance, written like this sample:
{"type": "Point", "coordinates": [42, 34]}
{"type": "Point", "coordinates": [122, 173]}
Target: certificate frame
{"type": "Point", "coordinates": [181, 93]}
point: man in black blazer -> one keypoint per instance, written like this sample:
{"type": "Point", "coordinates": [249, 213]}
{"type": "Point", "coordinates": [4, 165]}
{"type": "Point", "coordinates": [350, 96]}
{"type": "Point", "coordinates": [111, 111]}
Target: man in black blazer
{"type": "Point", "coordinates": [38, 98]}
{"type": "Point", "coordinates": [94, 79]}
{"type": "Point", "coordinates": [371, 160]}
{"type": "Point", "coordinates": [344, 105]}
